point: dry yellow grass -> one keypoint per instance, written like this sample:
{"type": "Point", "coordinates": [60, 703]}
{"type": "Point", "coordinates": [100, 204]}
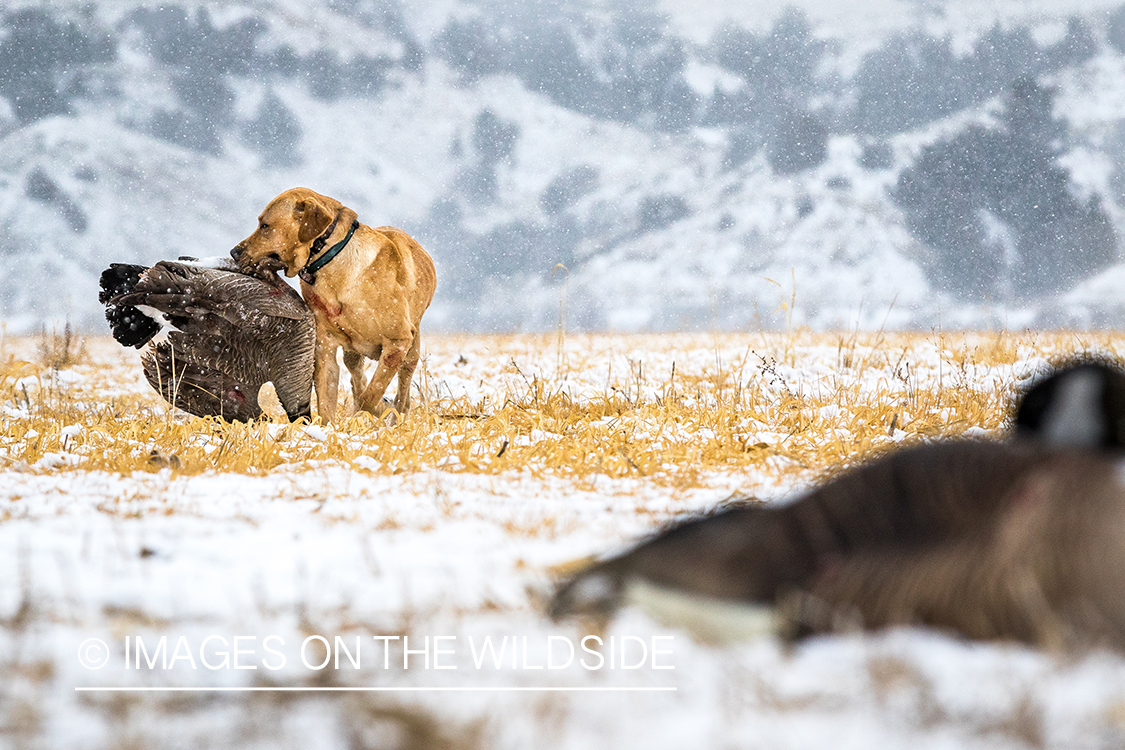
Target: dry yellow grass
{"type": "Point", "coordinates": [683, 407]}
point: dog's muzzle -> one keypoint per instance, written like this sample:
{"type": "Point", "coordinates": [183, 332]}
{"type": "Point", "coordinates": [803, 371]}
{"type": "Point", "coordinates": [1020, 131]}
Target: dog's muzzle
{"type": "Point", "coordinates": [235, 252]}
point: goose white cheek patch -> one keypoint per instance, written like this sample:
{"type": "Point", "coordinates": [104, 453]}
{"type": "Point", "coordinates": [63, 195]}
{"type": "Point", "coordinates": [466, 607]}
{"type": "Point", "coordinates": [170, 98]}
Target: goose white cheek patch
{"type": "Point", "coordinates": [1074, 419]}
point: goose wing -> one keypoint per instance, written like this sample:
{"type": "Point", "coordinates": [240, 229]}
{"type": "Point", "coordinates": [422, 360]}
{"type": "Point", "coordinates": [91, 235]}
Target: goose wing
{"type": "Point", "coordinates": [213, 300]}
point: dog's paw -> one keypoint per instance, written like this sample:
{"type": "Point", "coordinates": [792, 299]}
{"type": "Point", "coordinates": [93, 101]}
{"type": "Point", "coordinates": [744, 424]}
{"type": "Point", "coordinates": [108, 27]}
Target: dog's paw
{"type": "Point", "coordinates": [388, 413]}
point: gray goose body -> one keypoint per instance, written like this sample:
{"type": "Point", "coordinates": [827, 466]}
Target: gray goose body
{"type": "Point", "coordinates": [1020, 540]}
{"type": "Point", "coordinates": [1047, 568]}
{"type": "Point", "coordinates": [231, 334]}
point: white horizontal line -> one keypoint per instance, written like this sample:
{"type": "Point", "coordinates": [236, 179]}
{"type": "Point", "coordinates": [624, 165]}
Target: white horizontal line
{"type": "Point", "coordinates": [539, 689]}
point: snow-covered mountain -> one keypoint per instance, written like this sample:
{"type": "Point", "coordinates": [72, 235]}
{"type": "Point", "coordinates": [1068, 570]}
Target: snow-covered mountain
{"type": "Point", "coordinates": [684, 166]}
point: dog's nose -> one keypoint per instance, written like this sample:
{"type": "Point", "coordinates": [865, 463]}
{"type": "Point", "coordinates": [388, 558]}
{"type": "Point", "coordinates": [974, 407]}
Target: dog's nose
{"type": "Point", "coordinates": [236, 251]}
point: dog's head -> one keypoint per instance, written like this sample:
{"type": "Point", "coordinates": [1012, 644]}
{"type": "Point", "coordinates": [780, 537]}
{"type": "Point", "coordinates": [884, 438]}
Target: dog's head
{"type": "Point", "coordinates": [286, 230]}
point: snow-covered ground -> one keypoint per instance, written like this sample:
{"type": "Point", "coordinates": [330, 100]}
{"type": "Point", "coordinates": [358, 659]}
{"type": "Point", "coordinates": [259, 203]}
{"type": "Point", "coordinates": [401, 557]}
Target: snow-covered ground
{"type": "Point", "coordinates": [448, 558]}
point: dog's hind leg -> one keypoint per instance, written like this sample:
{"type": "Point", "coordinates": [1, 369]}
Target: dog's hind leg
{"type": "Point", "coordinates": [406, 374]}
{"type": "Point", "coordinates": [393, 355]}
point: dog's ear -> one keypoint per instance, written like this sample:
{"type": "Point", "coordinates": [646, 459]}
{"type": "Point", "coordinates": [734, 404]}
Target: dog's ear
{"type": "Point", "coordinates": [312, 218]}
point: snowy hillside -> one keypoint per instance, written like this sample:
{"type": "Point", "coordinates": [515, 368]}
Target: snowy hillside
{"type": "Point", "coordinates": [692, 168]}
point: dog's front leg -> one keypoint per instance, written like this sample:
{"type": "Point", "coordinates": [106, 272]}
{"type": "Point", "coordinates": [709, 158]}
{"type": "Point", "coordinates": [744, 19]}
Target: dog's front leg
{"type": "Point", "coordinates": [354, 362]}
{"type": "Point", "coordinates": [326, 378]}
{"type": "Point", "coordinates": [406, 374]}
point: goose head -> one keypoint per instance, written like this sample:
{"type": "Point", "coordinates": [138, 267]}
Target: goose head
{"type": "Point", "coordinates": [1076, 406]}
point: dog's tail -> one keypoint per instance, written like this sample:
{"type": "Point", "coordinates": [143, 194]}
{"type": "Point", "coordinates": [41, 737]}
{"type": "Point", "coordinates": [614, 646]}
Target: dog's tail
{"type": "Point", "coordinates": [130, 326]}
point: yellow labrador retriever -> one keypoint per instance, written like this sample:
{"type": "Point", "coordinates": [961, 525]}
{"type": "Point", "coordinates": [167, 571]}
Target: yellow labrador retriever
{"type": "Point", "coordinates": [367, 287]}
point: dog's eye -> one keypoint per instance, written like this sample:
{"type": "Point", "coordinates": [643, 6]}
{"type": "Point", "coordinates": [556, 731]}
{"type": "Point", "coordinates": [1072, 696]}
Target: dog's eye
{"type": "Point", "coordinates": [263, 226]}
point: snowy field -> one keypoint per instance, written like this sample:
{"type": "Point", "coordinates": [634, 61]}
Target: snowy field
{"type": "Point", "coordinates": [248, 548]}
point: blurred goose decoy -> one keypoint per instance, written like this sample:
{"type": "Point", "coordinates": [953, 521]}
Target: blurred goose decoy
{"type": "Point", "coordinates": [230, 334]}
{"type": "Point", "coordinates": [1016, 540]}
{"type": "Point", "coordinates": [1047, 569]}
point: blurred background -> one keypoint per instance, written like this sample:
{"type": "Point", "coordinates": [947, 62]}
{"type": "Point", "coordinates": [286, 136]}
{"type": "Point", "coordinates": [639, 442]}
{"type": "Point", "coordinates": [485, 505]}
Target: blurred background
{"type": "Point", "coordinates": [610, 164]}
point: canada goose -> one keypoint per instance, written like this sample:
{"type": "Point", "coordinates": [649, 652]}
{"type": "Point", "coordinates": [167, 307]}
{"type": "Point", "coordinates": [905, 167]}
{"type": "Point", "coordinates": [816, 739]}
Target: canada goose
{"type": "Point", "coordinates": [1021, 539]}
{"type": "Point", "coordinates": [231, 334]}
